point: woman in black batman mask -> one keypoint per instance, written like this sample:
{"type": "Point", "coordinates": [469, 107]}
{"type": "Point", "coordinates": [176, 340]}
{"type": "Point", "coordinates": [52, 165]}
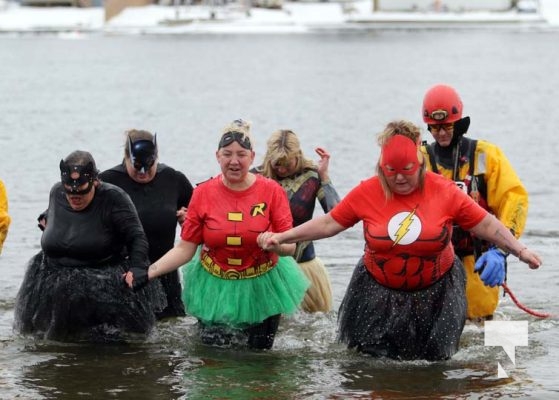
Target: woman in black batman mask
{"type": "Point", "coordinates": [161, 195]}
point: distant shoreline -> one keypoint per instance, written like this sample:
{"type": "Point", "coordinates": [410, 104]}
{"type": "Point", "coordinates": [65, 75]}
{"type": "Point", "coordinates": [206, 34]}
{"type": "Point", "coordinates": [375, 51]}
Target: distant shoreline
{"type": "Point", "coordinates": [293, 18]}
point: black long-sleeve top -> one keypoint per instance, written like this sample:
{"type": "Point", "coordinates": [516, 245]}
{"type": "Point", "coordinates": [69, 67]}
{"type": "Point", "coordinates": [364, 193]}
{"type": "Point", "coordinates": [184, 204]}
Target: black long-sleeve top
{"type": "Point", "coordinates": [108, 228]}
{"type": "Point", "coordinates": [157, 203]}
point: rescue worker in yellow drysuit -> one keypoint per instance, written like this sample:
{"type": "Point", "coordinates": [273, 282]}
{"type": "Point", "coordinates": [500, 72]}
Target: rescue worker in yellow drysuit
{"type": "Point", "coordinates": [481, 169]}
{"type": "Point", "coordinates": [4, 217]}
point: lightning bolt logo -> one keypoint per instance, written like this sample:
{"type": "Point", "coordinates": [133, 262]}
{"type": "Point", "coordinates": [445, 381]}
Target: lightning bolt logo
{"type": "Point", "coordinates": [404, 228]}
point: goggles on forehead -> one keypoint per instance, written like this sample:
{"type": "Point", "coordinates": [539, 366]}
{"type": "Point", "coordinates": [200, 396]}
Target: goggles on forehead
{"type": "Point", "coordinates": [86, 174]}
{"type": "Point", "coordinates": [234, 136]}
{"type": "Point", "coordinates": [439, 115]}
{"type": "Point", "coordinates": [142, 153]}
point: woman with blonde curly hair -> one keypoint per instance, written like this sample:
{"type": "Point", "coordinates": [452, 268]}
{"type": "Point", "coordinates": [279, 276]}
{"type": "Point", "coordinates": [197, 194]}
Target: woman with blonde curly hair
{"type": "Point", "coordinates": [305, 182]}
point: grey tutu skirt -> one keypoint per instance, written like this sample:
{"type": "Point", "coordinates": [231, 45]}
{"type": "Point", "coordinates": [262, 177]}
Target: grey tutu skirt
{"type": "Point", "coordinates": [423, 324]}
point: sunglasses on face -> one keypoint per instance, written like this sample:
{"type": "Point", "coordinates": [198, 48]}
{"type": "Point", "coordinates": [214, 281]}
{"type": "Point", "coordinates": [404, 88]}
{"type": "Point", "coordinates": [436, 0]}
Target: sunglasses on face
{"type": "Point", "coordinates": [234, 136]}
{"type": "Point", "coordinates": [438, 127]}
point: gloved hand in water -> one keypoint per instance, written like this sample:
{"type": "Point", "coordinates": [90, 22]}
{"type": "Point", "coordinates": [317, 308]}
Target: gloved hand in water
{"type": "Point", "coordinates": [139, 278]}
{"type": "Point", "coordinates": [491, 267]}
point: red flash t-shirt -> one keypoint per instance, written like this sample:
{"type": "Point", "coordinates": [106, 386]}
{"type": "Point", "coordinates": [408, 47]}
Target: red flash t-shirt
{"type": "Point", "coordinates": [408, 237]}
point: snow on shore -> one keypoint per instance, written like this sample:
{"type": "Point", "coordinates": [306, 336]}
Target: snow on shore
{"type": "Point", "coordinates": [294, 17]}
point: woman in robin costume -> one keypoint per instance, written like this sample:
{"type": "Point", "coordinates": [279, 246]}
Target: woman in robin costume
{"type": "Point", "coordinates": [235, 289]}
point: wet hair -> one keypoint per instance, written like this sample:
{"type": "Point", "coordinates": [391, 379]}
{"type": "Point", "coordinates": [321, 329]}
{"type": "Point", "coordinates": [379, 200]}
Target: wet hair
{"type": "Point", "coordinates": [135, 135]}
{"type": "Point", "coordinates": [82, 165]}
{"type": "Point", "coordinates": [284, 144]}
{"type": "Point", "coordinates": [409, 130]}
{"type": "Point", "coordinates": [81, 158]}
{"type": "Point", "coordinates": [238, 131]}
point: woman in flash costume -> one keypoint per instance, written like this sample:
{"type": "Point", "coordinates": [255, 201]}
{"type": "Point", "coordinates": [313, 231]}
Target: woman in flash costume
{"type": "Point", "coordinates": [406, 299]}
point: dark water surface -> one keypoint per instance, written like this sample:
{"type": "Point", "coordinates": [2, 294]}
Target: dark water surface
{"type": "Point", "coordinates": [334, 90]}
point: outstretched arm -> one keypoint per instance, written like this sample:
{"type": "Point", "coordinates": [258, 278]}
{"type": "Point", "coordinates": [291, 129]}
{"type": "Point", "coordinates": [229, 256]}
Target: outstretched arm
{"type": "Point", "coordinates": [492, 230]}
{"type": "Point", "coordinates": [317, 228]}
{"type": "Point", "coordinates": [170, 261]}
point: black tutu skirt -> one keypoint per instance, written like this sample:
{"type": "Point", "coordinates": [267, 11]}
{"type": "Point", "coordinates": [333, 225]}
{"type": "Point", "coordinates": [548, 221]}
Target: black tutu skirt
{"type": "Point", "coordinates": [71, 304]}
{"type": "Point", "coordinates": [424, 324]}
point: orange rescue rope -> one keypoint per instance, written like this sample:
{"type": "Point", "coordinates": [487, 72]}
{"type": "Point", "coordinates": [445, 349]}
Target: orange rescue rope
{"type": "Point", "coordinates": [523, 307]}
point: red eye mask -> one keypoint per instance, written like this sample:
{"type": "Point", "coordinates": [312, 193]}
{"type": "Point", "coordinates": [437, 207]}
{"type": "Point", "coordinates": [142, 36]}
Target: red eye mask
{"type": "Point", "coordinates": [399, 156]}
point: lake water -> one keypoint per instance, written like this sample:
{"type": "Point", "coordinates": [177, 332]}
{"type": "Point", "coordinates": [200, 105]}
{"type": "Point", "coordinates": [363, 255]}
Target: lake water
{"type": "Point", "coordinates": [334, 90]}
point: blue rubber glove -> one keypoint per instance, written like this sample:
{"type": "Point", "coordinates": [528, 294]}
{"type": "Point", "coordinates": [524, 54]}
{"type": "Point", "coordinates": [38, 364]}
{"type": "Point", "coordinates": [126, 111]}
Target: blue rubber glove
{"type": "Point", "coordinates": [491, 267]}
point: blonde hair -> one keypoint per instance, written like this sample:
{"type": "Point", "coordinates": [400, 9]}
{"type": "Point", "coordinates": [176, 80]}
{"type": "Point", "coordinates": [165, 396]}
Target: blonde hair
{"type": "Point", "coordinates": [284, 143]}
{"type": "Point", "coordinates": [409, 130]}
{"type": "Point", "coordinates": [241, 126]}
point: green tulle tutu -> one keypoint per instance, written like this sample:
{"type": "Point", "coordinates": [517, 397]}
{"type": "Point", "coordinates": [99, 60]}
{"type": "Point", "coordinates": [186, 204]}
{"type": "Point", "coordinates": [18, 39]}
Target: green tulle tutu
{"type": "Point", "coordinates": [242, 302]}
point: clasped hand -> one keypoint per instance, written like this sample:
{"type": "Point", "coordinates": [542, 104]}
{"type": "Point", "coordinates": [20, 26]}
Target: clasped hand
{"type": "Point", "coordinates": [267, 241]}
{"type": "Point", "coordinates": [136, 278]}
{"type": "Point", "coordinates": [181, 215]}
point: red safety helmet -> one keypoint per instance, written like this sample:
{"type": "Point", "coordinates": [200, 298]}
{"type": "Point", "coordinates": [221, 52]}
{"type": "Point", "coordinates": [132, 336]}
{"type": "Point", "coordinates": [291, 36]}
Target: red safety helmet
{"type": "Point", "coordinates": [441, 105]}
